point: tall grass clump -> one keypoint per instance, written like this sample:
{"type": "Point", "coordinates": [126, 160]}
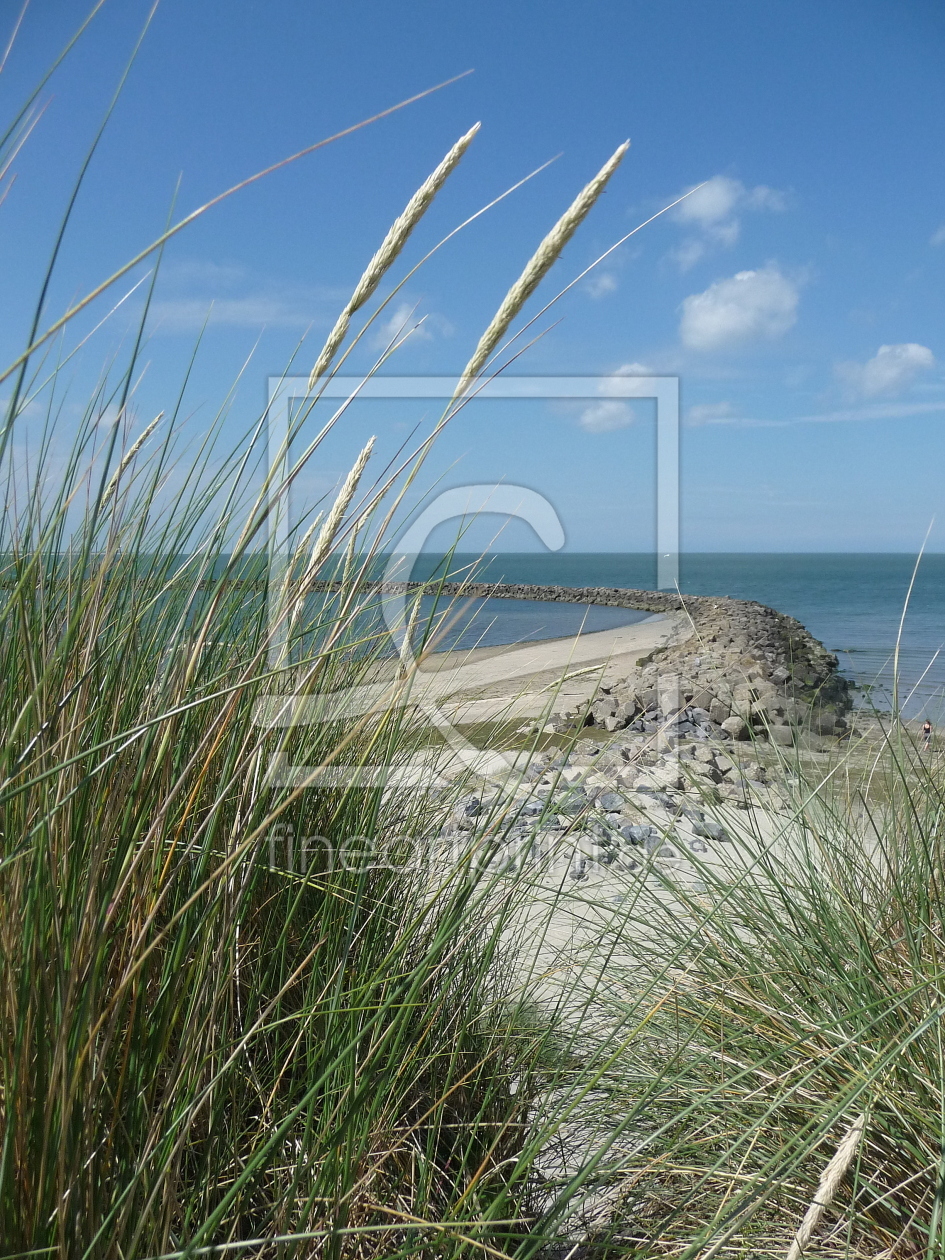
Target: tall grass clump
{"type": "Point", "coordinates": [240, 1010]}
{"type": "Point", "coordinates": [213, 1028]}
{"type": "Point", "coordinates": [789, 1043]}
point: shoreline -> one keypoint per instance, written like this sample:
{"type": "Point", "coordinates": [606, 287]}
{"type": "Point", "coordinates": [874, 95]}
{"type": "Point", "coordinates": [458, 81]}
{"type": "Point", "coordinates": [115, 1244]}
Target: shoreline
{"type": "Point", "coordinates": [749, 668]}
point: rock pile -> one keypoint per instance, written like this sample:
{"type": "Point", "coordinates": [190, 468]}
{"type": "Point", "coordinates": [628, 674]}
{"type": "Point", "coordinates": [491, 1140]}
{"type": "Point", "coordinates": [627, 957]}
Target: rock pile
{"type": "Point", "coordinates": [734, 666]}
{"type": "Point", "coordinates": [624, 804]}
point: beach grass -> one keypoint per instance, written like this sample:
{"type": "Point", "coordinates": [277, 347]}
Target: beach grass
{"type": "Point", "coordinates": [239, 1013]}
{"type": "Point", "coordinates": [246, 1014]}
{"type": "Point", "coordinates": [234, 1008]}
{"type": "Point", "coordinates": [794, 999]}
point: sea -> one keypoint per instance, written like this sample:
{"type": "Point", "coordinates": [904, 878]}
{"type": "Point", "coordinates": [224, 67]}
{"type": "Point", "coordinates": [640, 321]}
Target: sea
{"type": "Point", "coordinates": [857, 604]}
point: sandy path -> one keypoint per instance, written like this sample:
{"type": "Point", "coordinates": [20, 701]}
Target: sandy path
{"type": "Point", "coordinates": [479, 689]}
{"type": "Point", "coordinates": [540, 677]}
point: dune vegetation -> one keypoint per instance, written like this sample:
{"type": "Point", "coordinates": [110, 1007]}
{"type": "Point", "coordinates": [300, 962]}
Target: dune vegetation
{"type": "Point", "coordinates": [225, 1032]}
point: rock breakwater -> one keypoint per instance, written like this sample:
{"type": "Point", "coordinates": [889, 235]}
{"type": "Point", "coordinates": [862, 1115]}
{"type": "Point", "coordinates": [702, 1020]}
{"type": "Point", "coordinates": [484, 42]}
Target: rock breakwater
{"type": "Point", "coordinates": [735, 665]}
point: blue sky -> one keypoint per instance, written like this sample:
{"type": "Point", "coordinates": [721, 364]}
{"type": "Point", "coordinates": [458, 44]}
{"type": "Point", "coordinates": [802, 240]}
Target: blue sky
{"type": "Point", "coordinates": [798, 295]}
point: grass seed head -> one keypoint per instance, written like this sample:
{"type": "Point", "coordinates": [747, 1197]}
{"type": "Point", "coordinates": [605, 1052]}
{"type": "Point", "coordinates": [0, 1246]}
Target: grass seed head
{"type": "Point", "coordinates": [390, 247]}
{"type": "Point", "coordinates": [129, 457]}
{"type": "Point", "coordinates": [336, 515]}
{"type": "Point", "coordinates": [538, 265]}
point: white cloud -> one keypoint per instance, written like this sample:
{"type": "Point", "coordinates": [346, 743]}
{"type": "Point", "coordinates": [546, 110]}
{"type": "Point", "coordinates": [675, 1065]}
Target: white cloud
{"type": "Point", "coordinates": [193, 291]}
{"type": "Point", "coordinates": [611, 386]}
{"type": "Point", "coordinates": [600, 283]}
{"type": "Point", "coordinates": [688, 253]}
{"type": "Point", "coordinates": [189, 272]}
{"type": "Point", "coordinates": [402, 322]}
{"type": "Point", "coordinates": [851, 415]}
{"type": "Point", "coordinates": [762, 197]}
{"type": "Point", "coordinates": [710, 413]}
{"type": "Point", "coordinates": [107, 418]}
{"type": "Point", "coordinates": [713, 209]}
{"type": "Point", "coordinates": [938, 236]}
{"type": "Point", "coordinates": [605, 417]}
{"type": "Point", "coordinates": [891, 370]}
{"type": "Point", "coordinates": [873, 411]}
{"type": "Point", "coordinates": [405, 323]}
{"type": "Point", "coordinates": [748, 305]}
{"type": "Point", "coordinates": [711, 204]}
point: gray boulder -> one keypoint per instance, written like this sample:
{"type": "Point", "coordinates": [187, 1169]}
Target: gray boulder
{"type": "Point", "coordinates": [609, 801]}
{"type": "Point", "coordinates": [466, 811]}
{"type": "Point", "coordinates": [573, 803]}
{"type": "Point", "coordinates": [709, 830]}
{"type": "Point", "coordinates": [719, 711]}
{"type": "Point", "coordinates": [578, 867]}
{"type": "Point", "coordinates": [638, 834]}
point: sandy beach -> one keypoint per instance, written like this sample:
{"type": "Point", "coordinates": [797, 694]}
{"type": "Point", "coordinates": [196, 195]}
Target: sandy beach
{"type": "Point", "coordinates": [485, 684]}
{"type": "Point", "coordinates": [547, 677]}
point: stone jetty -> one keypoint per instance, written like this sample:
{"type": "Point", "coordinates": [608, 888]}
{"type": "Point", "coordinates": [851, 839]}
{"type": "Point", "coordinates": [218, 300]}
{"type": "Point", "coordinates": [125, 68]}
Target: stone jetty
{"type": "Point", "coordinates": [734, 665]}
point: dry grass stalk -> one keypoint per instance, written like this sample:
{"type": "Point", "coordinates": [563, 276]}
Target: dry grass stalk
{"type": "Point", "coordinates": [333, 520]}
{"type": "Point", "coordinates": [391, 246]}
{"type": "Point", "coordinates": [830, 1180]}
{"type": "Point", "coordinates": [536, 268]}
{"type": "Point", "coordinates": [309, 533]}
{"type": "Point", "coordinates": [126, 459]}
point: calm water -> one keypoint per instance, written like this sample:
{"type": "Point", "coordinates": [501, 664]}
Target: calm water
{"type": "Point", "coordinates": [852, 603]}
{"type": "Point", "coordinates": [491, 622]}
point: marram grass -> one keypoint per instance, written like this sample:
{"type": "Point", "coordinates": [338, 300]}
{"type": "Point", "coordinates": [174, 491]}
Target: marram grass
{"type": "Point", "coordinates": [214, 1034]}
{"type": "Point", "coordinates": [794, 1003]}
{"type": "Point", "coordinates": [211, 1032]}
{"type": "Point", "coordinates": [217, 1038]}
